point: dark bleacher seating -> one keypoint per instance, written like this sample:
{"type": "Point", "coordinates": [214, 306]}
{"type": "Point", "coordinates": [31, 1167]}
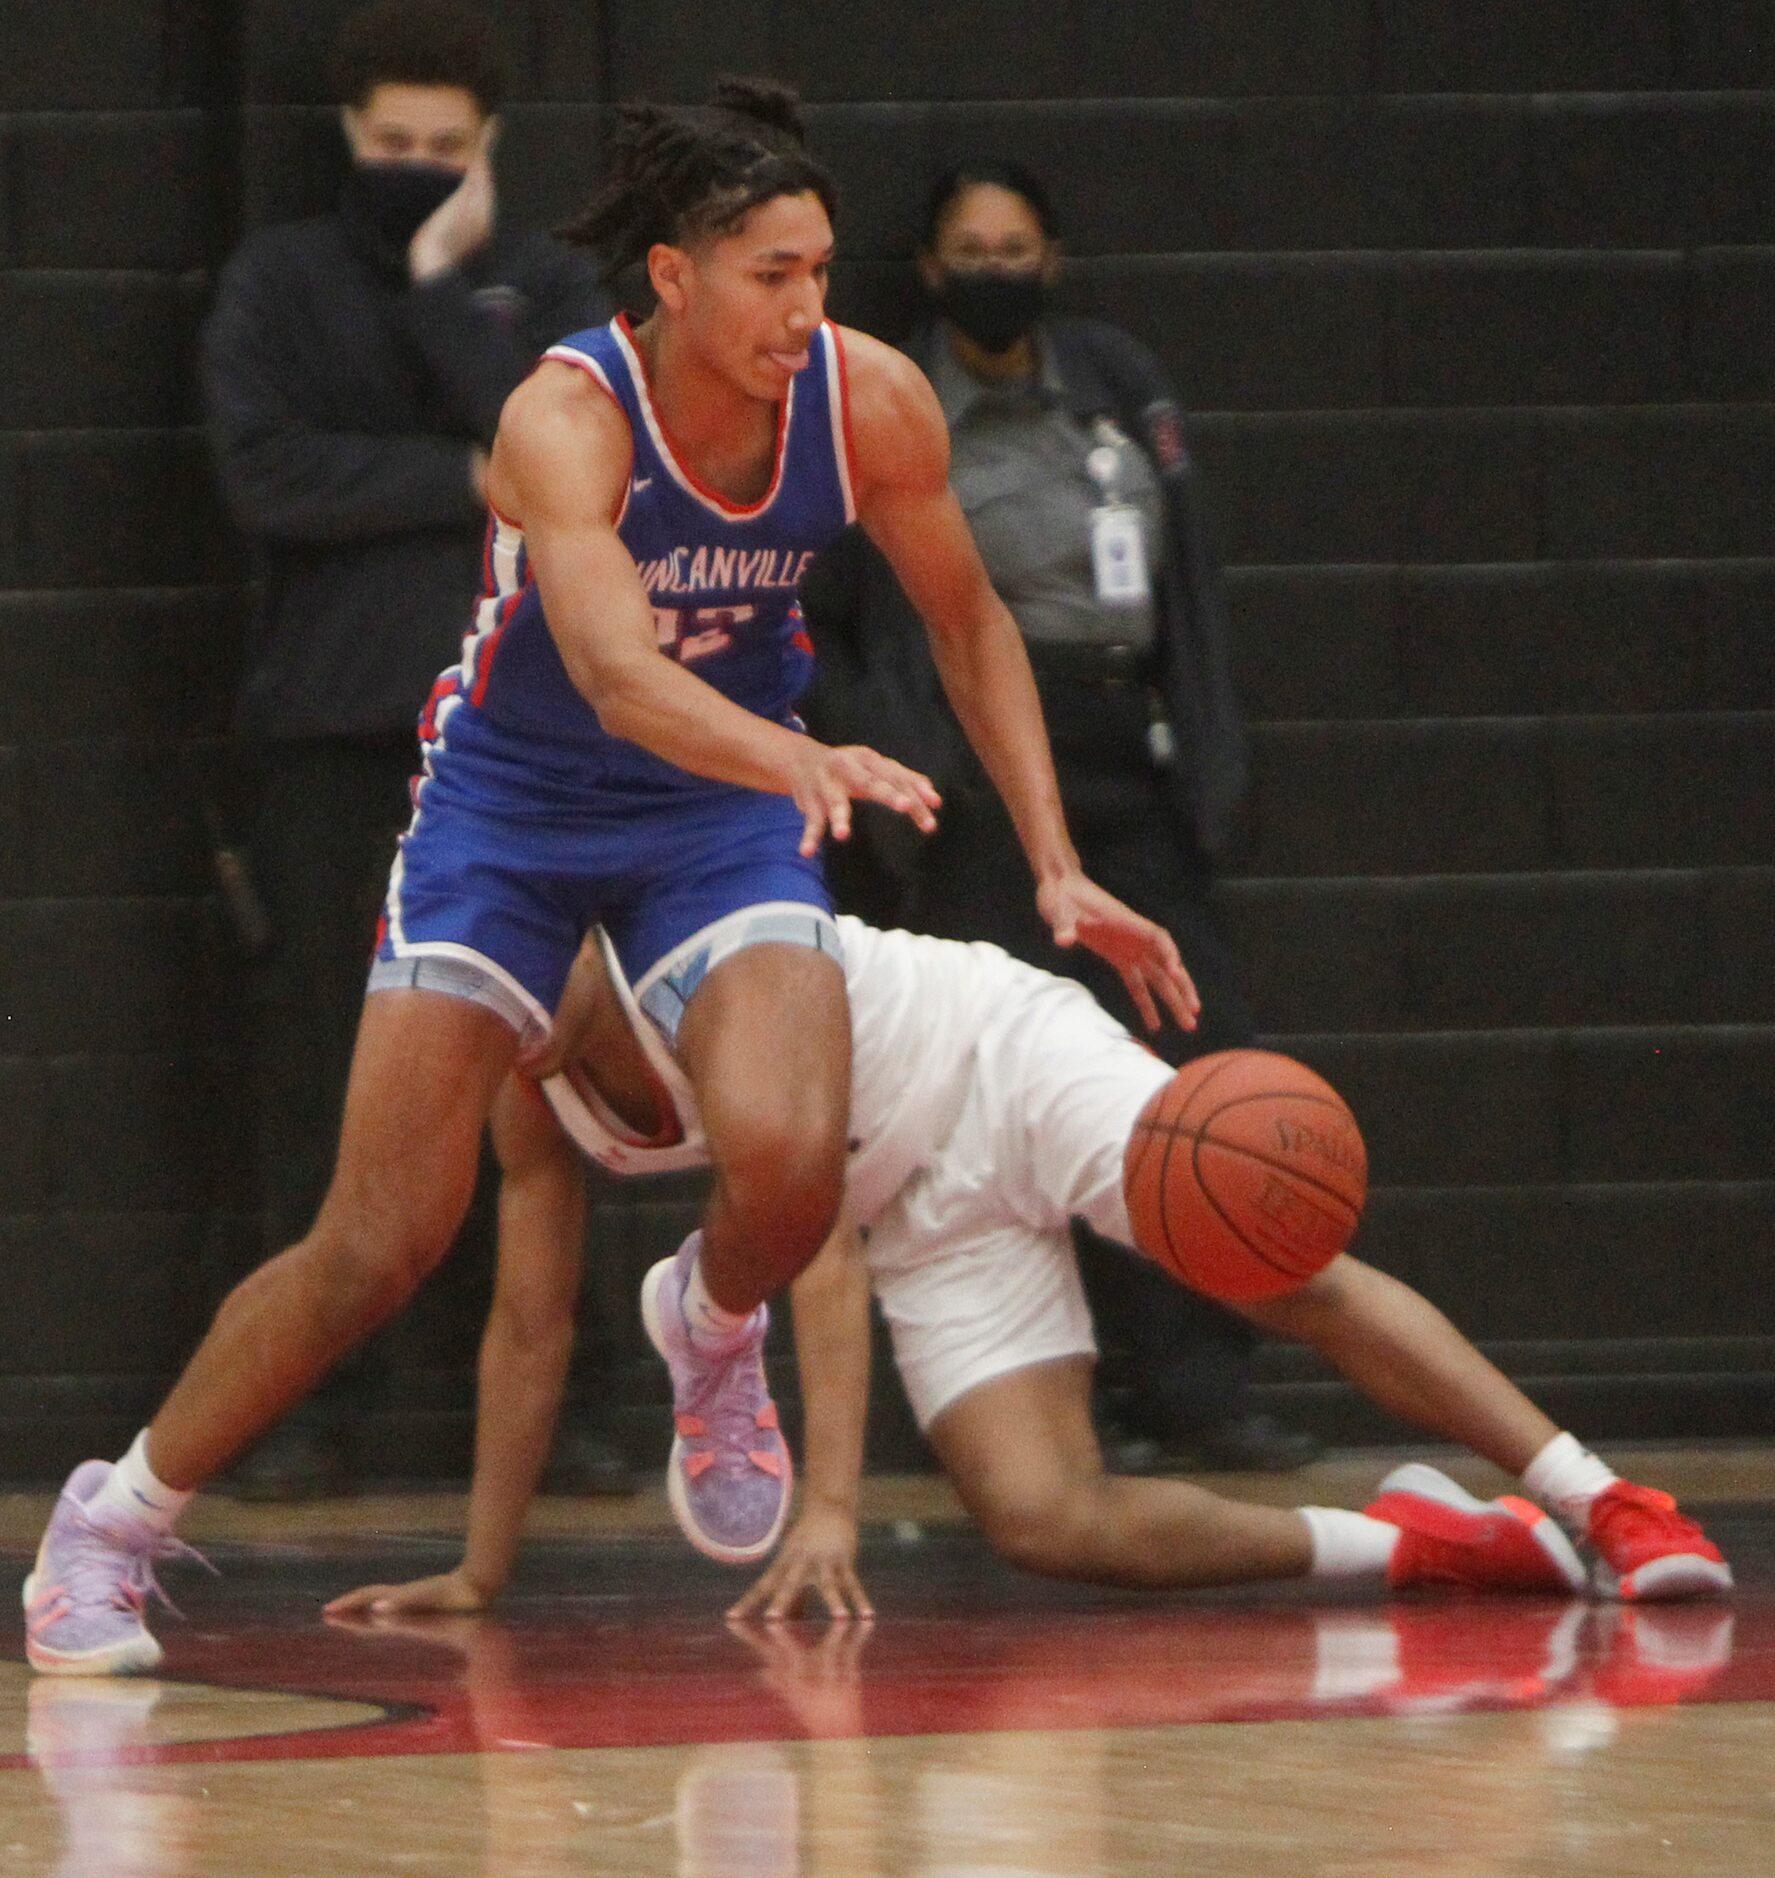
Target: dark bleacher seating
{"type": "Point", "coordinates": [1474, 328]}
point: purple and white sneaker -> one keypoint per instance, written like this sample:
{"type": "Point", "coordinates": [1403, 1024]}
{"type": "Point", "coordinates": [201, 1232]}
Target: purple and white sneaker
{"type": "Point", "coordinates": [86, 1599]}
{"type": "Point", "coordinates": [730, 1474]}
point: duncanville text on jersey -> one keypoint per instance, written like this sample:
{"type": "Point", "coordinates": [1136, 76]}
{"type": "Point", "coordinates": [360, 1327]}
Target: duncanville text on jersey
{"type": "Point", "coordinates": [716, 570]}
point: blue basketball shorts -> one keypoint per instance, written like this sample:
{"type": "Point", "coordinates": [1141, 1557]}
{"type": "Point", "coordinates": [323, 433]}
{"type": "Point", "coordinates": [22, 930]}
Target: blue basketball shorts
{"type": "Point", "coordinates": [512, 897]}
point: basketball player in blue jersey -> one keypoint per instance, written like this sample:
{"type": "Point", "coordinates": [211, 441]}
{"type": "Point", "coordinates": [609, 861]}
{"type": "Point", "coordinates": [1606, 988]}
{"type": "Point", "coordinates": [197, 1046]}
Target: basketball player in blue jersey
{"type": "Point", "coordinates": [656, 490]}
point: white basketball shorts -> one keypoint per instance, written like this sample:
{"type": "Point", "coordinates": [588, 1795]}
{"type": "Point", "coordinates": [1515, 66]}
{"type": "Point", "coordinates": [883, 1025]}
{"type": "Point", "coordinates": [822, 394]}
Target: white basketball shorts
{"type": "Point", "coordinates": [973, 1259]}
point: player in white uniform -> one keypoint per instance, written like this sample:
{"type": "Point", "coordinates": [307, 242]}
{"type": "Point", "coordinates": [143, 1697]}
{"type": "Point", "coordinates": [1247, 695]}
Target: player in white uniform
{"type": "Point", "coordinates": [991, 1103]}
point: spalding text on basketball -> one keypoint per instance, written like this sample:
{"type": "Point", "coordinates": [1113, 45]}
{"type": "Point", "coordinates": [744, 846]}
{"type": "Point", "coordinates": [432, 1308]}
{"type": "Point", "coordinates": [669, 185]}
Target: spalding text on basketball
{"type": "Point", "coordinates": [1337, 1149]}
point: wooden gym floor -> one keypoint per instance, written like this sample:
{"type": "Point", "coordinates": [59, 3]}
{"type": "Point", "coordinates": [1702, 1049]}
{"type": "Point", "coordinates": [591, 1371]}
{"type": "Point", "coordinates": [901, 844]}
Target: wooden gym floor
{"type": "Point", "coordinates": [607, 1720]}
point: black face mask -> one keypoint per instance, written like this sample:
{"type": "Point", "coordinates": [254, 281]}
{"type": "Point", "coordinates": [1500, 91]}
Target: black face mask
{"type": "Point", "coordinates": [394, 199]}
{"type": "Point", "coordinates": [995, 307]}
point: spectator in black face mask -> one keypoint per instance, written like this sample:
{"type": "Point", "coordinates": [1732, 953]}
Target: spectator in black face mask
{"type": "Point", "coordinates": [1069, 459]}
{"type": "Point", "coordinates": [354, 368]}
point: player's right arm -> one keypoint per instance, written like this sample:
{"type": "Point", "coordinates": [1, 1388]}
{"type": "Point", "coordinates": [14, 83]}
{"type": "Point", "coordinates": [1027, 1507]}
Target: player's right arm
{"type": "Point", "coordinates": [560, 470]}
{"type": "Point", "coordinates": [818, 1555]}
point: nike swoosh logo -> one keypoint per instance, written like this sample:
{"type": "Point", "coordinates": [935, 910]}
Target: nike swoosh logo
{"type": "Point", "coordinates": [640, 483]}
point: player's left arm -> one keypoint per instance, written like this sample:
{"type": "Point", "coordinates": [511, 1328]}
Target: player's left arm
{"type": "Point", "coordinates": [908, 510]}
{"type": "Point", "coordinates": [818, 1555]}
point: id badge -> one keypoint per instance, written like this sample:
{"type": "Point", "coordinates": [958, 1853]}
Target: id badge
{"type": "Point", "coordinates": [1118, 554]}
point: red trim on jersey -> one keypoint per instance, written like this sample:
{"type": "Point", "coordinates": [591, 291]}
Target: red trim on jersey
{"type": "Point", "coordinates": [844, 410]}
{"type": "Point", "coordinates": [490, 646]}
{"type": "Point", "coordinates": [444, 687]}
{"type": "Point", "coordinates": [738, 511]}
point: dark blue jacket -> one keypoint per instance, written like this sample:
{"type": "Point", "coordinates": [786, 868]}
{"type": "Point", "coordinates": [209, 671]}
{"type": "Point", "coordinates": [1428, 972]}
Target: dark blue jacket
{"type": "Point", "coordinates": [343, 405]}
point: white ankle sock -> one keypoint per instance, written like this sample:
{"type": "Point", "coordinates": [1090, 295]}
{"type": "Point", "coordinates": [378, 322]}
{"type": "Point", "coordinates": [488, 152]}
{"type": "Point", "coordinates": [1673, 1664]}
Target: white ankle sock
{"type": "Point", "coordinates": [133, 1491]}
{"type": "Point", "coordinates": [1567, 1476]}
{"type": "Point", "coordinates": [711, 1326]}
{"type": "Point", "coordinates": [1346, 1544]}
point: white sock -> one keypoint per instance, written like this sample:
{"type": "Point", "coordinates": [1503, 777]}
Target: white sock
{"type": "Point", "coordinates": [711, 1326]}
{"type": "Point", "coordinates": [1346, 1544]}
{"type": "Point", "coordinates": [1567, 1476]}
{"type": "Point", "coordinates": [133, 1491]}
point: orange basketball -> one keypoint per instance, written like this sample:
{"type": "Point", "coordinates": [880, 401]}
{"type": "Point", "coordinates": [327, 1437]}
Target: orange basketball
{"type": "Point", "coordinates": [1245, 1174]}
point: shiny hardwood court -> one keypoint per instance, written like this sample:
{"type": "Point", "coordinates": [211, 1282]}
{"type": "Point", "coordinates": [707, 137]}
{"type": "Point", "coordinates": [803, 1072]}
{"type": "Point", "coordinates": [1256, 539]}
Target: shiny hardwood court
{"type": "Point", "coordinates": [608, 1720]}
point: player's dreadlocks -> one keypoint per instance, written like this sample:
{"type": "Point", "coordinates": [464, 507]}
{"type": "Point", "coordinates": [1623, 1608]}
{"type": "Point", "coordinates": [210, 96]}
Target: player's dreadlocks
{"type": "Point", "coordinates": [679, 174]}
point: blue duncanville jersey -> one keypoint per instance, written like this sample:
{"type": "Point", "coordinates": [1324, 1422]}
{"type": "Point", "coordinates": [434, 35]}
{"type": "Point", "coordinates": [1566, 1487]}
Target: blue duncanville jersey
{"type": "Point", "coordinates": [721, 577]}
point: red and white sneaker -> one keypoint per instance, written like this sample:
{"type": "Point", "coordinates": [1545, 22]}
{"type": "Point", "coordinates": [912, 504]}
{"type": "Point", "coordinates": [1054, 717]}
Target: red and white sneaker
{"type": "Point", "coordinates": [1645, 1549]}
{"type": "Point", "coordinates": [1450, 1538]}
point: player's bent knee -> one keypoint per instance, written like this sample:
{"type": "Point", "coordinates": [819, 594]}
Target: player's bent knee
{"type": "Point", "coordinates": [375, 1273]}
{"type": "Point", "coordinates": [784, 1181]}
{"type": "Point", "coordinates": [1037, 1528]}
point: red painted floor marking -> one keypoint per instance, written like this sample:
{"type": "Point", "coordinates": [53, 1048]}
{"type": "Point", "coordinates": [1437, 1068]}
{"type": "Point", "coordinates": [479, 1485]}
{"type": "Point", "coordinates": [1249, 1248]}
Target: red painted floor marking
{"type": "Point", "coordinates": [636, 1665]}
{"type": "Point", "coordinates": [493, 1686]}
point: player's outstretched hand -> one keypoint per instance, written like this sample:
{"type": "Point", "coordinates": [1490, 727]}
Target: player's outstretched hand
{"type": "Point", "coordinates": [818, 1555]}
{"type": "Point", "coordinates": [1079, 912]}
{"type": "Point", "coordinates": [448, 1591]}
{"type": "Point", "coordinates": [831, 777]}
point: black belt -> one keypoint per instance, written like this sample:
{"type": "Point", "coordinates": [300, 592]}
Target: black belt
{"type": "Point", "coordinates": [1109, 664]}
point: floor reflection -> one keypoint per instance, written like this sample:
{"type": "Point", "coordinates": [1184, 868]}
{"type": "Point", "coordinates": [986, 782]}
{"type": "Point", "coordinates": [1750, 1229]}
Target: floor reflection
{"type": "Point", "coordinates": [87, 1736]}
{"type": "Point", "coordinates": [608, 1722]}
{"type": "Point", "coordinates": [1091, 1743]}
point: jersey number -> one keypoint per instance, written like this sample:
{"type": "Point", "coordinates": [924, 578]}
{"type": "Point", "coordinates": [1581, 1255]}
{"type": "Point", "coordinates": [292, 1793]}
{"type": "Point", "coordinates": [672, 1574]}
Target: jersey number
{"type": "Point", "coordinates": [688, 633]}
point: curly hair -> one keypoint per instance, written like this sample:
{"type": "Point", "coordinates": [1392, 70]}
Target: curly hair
{"type": "Point", "coordinates": [953, 184]}
{"type": "Point", "coordinates": [418, 42]}
{"type": "Point", "coordinates": [679, 175]}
